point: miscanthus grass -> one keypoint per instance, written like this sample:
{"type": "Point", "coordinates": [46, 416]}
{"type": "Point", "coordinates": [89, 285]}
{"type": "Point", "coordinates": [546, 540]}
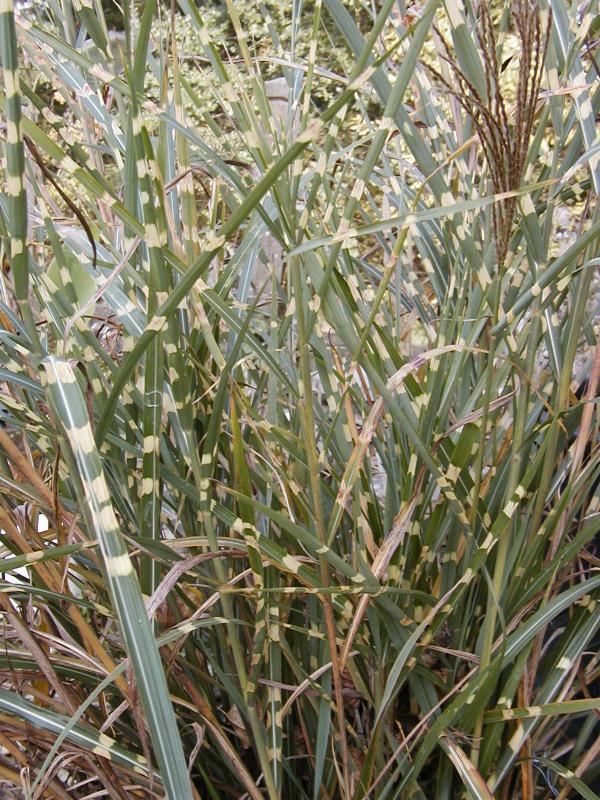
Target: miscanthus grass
{"type": "Point", "coordinates": [299, 457]}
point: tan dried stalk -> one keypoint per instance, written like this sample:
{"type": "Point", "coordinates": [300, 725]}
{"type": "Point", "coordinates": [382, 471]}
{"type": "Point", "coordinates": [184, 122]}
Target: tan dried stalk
{"type": "Point", "coordinates": [504, 134]}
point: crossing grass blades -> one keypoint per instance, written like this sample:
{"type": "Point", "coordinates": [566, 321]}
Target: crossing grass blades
{"type": "Point", "coordinates": [299, 463]}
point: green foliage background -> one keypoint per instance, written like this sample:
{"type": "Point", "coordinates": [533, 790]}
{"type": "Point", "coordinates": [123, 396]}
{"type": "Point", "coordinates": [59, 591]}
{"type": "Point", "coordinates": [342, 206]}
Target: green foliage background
{"type": "Point", "coordinates": [302, 378]}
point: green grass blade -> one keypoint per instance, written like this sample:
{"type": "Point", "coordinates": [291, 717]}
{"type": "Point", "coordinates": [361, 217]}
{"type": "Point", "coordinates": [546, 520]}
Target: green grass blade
{"type": "Point", "coordinates": [70, 410]}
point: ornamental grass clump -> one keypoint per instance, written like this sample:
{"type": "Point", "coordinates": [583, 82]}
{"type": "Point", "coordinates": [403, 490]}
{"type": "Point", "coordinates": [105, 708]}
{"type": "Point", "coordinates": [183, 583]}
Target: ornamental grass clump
{"type": "Point", "coordinates": [299, 453]}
